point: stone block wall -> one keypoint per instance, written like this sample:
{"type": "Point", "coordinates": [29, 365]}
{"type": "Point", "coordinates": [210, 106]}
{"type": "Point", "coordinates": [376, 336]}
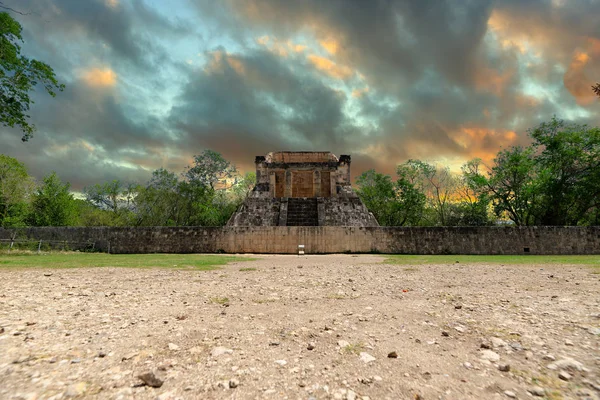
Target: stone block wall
{"type": "Point", "coordinates": [325, 239]}
{"type": "Point", "coordinates": [344, 211]}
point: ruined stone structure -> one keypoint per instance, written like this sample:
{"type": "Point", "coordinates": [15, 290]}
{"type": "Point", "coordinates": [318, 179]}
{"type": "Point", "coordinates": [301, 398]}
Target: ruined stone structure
{"type": "Point", "coordinates": [302, 189]}
{"type": "Point", "coordinates": [318, 239]}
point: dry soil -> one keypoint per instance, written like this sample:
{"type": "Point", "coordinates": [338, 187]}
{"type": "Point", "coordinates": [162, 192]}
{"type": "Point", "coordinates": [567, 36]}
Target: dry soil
{"type": "Point", "coordinates": [289, 327]}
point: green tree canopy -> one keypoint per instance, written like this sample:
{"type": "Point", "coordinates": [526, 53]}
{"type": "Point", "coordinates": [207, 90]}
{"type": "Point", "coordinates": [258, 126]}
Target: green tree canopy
{"type": "Point", "coordinates": [392, 203]}
{"type": "Point", "coordinates": [18, 76]}
{"type": "Point", "coordinates": [15, 190]}
{"type": "Point", "coordinates": [210, 169]}
{"type": "Point", "coordinates": [53, 204]}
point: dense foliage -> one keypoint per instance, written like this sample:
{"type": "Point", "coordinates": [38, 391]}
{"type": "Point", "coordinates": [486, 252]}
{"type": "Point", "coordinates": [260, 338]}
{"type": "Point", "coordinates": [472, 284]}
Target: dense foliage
{"type": "Point", "coordinates": [555, 180]}
{"type": "Point", "coordinates": [206, 194]}
{"type": "Point", "coordinates": [18, 76]}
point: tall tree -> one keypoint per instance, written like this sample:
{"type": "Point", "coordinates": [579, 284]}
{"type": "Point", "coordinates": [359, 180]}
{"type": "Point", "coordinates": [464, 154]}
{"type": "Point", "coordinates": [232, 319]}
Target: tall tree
{"type": "Point", "coordinates": [439, 185]}
{"type": "Point", "coordinates": [211, 169]}
{"type": "Point", "coordinates": [16, 187]}
{"type": "Point", "coordinates": [113, 196]}
{"type": "Point", "coordinates": [53, 204]}
{"type": "Point", "coordinates": [568, 164]}
{"type": "Point", "coordinates": [392, 203]}
{"type": "Point", "coordinates": [596, 89]}
{"type": "Point", "coordinates": [18, 77]}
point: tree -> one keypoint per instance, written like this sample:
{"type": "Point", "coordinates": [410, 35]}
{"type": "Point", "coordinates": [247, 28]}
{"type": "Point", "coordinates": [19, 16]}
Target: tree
{"type": "Point", "coordinates": [18, 76]}
{"type": "Point", "coordinates": [568, 166]}
{"type": "Point", "coordinates": [210, 169]}
{"type": "Point", "coordinates": [113, 196]}
{"type": "Point", "coordinates": [53, 204]}
{"type": "Point", "coordinates": [439, 185]}
{"type": "Point", "coordinates": [473, 207]}
{"type": "Point", "coordinates": [160, 202]}
{"type": "Point", "coordinates": [596, 89]}
{"type": "Point", "coordinates": [15, 190]}
{"type": "Point", "coordinates": [243, 186]}
{"type": "Point", "coordinates": [392, 203]}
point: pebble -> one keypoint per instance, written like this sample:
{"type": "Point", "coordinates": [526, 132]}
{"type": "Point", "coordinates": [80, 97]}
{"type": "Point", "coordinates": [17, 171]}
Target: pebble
{"type": "Point", "coordinates": [233, 383]}
{"type": "Point", "coordinates": [567, 363]}
{"type": "Point", "coordinates": [150, 379]}
{"type": "Point", "coordinates": [281, 362]}
{"type": "Point", "coordinates": [537, 391]}
{"type": "Point", "coordinates": [516, 346]}
{"type": "Point", "coordinates": [510, 394]}
{"type": "Point", "coordinates": [392, 354]}
{"type": "Point", "coordinates": [490, 355]}
{"type": "Point", "coordinates": [497, 342]}
{"type": "Point", "coordinates": [564, 375]}
{"type": "Point", "coordinates": [445, 333]}
{"type": "Point", "coordinates": [173, 347]}
{"type": "Point", "coordinates": [311, 346]}
{"type": "Point", "coordinates": [366, 357]}
{"type": "Point", "coordinates": [219, 351]}
{"type": "Point", "coordinates": [594, 331]}
{"type": "Point", "coordinates": [343, 343]}
{"type": "Point", "coordinates": [504, 367]}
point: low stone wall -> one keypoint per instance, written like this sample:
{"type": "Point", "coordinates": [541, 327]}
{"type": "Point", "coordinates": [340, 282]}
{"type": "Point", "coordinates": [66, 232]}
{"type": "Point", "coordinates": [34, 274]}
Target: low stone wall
{"type": "Point", "coordinates": [322, 239]}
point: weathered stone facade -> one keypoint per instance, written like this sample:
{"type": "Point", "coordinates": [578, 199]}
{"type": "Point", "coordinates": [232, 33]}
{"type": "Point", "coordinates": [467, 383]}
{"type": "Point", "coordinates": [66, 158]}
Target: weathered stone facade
{"type": "Point", "coordinates": [303, 189]}
{"type": "Point", "coordinates": [321, 239]}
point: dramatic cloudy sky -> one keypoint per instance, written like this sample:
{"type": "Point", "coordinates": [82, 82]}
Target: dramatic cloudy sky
{"type": "Point", "coordinates": [150, 83]}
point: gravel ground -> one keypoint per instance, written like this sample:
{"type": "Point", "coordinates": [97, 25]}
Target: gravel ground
{"type": "Point", "coordinates": [335, 326]}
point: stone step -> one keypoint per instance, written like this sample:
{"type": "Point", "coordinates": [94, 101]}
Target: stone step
{"type": "Point", "coordinates": [302, 212]}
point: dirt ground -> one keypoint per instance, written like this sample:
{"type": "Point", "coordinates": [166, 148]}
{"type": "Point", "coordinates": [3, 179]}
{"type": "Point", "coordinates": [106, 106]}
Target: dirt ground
{"type": "Point", "coordinates": [312, 327]}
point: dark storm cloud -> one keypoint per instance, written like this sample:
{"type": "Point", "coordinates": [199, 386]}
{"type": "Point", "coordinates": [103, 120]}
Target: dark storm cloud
{"type": "Point", "coordinates": [255, 102]}
{"type": "Point", "coordinates": [89, 133]}
{"type": "Point", "coordinates": [433, 59]}
{"type": "Point", "coordinates": [125, 31]}
{"type": "Point", "coordinates": [381, 80]}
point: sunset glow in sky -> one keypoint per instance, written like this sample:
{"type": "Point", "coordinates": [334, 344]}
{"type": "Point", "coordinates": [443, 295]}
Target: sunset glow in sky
{"type": "Point", "coordinates": [150, 83]}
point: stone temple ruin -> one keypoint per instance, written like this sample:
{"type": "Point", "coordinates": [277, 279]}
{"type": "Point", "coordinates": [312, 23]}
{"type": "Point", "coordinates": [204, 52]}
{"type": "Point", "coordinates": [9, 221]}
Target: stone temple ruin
{"type": "Point", "coordinates": [302, 189]}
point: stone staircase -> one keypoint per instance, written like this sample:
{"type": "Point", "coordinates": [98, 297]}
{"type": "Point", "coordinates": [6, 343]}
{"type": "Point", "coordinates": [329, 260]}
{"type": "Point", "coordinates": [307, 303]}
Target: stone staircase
{"type": "Point", "coordinates": [302, 211]}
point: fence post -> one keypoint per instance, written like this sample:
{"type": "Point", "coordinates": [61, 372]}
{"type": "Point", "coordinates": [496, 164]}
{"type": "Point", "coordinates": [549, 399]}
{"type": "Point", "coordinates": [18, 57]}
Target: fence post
{"type": "Point", "coordinates": [39, 246]}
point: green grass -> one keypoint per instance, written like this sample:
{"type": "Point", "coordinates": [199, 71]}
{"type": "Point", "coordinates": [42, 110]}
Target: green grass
{"type": "Point", "coordinates": [200, 262]}
{"type": "Point", "coordinates": [220, 300]}
{"type": "Point", "coordinates": [593, 260]}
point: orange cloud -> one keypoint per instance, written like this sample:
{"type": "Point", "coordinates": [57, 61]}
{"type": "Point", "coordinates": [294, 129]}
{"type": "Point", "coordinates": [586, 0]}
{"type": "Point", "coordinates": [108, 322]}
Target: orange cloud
{"type": "Point", "coordinates": [278, 47]}
{"type": "Point", "coordinates": [594, 45]}
{"type": "Point", "coordinates": [221, 59]}
{"type": "Point", "coordinates": [330, 45]}
{"type": "Point", "coordinates": [576, 80]}
{"type": "Point", "coordinates": [491, 80]}
{"type": "Point", "coordinates": [360, 92]}
{"type": "Point", "coordinates": [330, 68]}
{"type": "Point", "coordinates": [100, 77]}
{"type": "Point", "coordinates": [482, 142]}
{"type": "Point", "coordinates": [112, 3]}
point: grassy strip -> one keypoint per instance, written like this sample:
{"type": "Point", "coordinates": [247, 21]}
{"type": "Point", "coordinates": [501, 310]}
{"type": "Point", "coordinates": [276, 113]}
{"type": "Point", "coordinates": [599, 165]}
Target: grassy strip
{"type": "Point", "coordinates": [591, 260]}
{"type": "Point", "coordinates": [93, 260]}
